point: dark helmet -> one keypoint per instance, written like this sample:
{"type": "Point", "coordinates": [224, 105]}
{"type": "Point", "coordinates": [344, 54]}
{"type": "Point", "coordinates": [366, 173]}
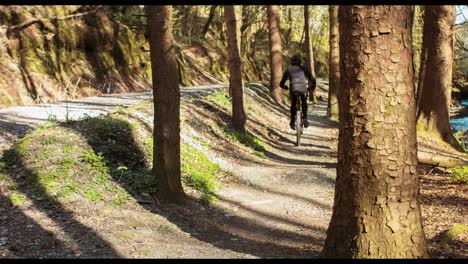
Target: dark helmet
{"type": "Point", "coordinates": [296, 60]}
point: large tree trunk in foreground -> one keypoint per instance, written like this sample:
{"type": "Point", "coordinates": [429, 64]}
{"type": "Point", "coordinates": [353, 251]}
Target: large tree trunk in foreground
{"type": "Point", "coordinates": [276, 58]}
{"type": "Point", "coordinates": [235, 71]}
{"type": "Point", "coordinates": [376, 212]}
{"type": "Point", "coordinates": [308, 42]}
{"type": "Point", "coordinates": [334, 64]}
{"type": "Point", "coordinates": [166, 98]}
{"type": "Point", "coordinates": [435, 80]}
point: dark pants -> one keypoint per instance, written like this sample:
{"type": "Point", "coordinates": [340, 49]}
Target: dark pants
{"type": "Point", "coordinates": [294, 98]}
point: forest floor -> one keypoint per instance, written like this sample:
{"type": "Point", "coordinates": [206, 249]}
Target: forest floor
{"type": "Point", "coordinates": [277, 203]}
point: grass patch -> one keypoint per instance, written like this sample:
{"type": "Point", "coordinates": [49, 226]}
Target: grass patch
{"type": "Point", "coordinates": [246, 139]}
{"type": "Point", "coordinates": [460, 174]}
{"type": "Point", "coordinates": [199, 172]}
{"type": "Point", "coordinates": [59, 162]}
{"type": "Point", "coordinates": [17, 199]}
{"type": "Point", "coordinates": [102, 159]}
{"type": "Point", "coordinates": [221, 98]}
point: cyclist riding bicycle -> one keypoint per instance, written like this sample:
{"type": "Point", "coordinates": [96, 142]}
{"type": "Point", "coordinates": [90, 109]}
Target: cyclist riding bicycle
{"type": "Point", "coordinates": [296, 73]}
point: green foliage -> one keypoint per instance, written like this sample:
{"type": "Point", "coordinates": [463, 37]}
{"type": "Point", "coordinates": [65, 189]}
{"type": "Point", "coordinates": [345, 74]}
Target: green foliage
{"type": "Point", "coordinates": [93, 195]}
{"type": "Point", "coordinates": [458, 135]}
{"type": "Point", "coordinates": [460, 174]}
{"type": "Point", "coordinates": [457, 230]}
{"type": "Point", "coordinates": [102, 159]}
{"type": "Point", "coordinates": [148, 143]}
{"type": "Point", "coordinates": [130, 15]}
{"type": "Point", "coordinates": [221, 98]}
{"type": "Point", "coordinates": [17, 199]}
{"type": "Point", "coordinates": [67, 148]}
{"type": "Point", "coordinates": [93, 161]}
{"type": "Point", "coordinates": [199, 172]}
{"type": "Point", "coordinates": [246, 139]}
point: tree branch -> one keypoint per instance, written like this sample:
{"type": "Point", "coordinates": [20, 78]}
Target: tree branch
{"type": "Point", "coordinates": [41, 21]}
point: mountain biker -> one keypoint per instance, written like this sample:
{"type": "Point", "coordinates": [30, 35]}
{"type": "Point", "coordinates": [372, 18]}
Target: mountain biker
{"type": "Point", "coordinates": [296, 73]}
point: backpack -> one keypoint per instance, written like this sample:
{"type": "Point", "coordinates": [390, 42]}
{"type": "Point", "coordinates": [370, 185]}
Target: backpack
{"type": "Point", "coordinates": [297, 79]}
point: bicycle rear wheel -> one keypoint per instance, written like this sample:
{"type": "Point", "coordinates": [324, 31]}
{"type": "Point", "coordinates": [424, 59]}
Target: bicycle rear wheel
{"type": "Point", "coordinates": [298, 128]}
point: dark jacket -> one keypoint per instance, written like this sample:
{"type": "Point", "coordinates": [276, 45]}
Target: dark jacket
{"type": "Point", "coordinates": [287, 75]}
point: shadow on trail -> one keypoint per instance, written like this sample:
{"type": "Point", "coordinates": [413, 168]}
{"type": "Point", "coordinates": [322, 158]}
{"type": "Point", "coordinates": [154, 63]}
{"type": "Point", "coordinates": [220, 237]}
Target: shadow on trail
{"type": "Point", "coordinates": [89, 243]}
{"type": "Point", "coordinates": [115, 140]}
{"type": "Point", "coordinates": [286, 160]}
{"type": "Point", "coordinates": [212, 225]}
{"type": "Point", "coordinates": [11, 128]}
{"type": "Point", "coordinates": [294, 196]}
{"type": "Point", "coordinates": [14, 221]}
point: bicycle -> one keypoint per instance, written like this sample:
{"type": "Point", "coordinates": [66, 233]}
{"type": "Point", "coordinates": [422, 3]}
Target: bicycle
{"type": "Point", "coordinates": [299, 121]}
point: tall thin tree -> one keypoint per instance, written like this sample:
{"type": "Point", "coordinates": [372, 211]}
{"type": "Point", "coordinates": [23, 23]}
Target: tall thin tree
{"type": "Point", "coordinates": [166, 98]}
{"type": "Point", "coordinates": [235, 69]}
{"type": "Point", "coordinates": [376, 212]}
{"type": "Point", "coordinates": [276, 58]}
{"type": "Point", "coordinates": [210, 19]}
{"type": "Point", "coordinates": [308, 41]}
{"type": "Point", "coordinates": [334, 63]}
{"type": "Point", "coordinates": [435, 79]}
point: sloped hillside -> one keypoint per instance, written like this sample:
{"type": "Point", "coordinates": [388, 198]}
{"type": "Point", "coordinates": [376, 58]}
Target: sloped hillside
{"type": "Point", "coordinates": [51, 53]}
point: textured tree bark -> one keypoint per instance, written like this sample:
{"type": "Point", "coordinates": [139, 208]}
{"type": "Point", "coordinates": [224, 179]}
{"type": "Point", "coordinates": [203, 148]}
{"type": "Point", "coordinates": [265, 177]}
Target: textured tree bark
{"type": "Point", "coordinates": [417, 33]}
{"type": "Point", "coordinates": [235, 70]}
{"type": "Point", "coordinates": [276, 58]}
{"type": "Point", "coordinates": [166, 98]}
{"type": "Point", "coordinates": [376, 212]}
{"type": "Point", "coordinates": [308, 43]}
{"type": "Point", "coordinates": [435, 80]}
{"type": "Point", "coordinates": [334, 61]}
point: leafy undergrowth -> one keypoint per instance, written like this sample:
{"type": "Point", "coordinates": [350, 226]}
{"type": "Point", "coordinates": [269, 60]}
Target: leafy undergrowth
{"type": "Point", "coordinates": [460, 174]}
{"type": "Point", "coordinates": [103, 159]}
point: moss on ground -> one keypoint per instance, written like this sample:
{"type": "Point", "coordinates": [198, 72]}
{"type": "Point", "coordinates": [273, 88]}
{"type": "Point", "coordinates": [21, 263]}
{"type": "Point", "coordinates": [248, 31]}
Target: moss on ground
{"type": "Point", "coordinates": [101, 159]}
{"type": "Point", "coordinates": [458, 136]}
{"type": "Point", "coordinates": [221, 98]}
{"type": "Point", "coordinates": [199, 172]}
{"type": "Point", "coordinates": [247, 139]}
{"type": "Point", "coordinates": [453, 233]}
{"type": "Point", "coordinates": [460, 174]}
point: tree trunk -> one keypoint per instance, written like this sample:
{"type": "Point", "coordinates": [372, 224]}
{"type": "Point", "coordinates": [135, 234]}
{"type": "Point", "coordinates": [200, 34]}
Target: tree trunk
{"type": "Point", "coordinates": [276, 58]}
{"type": "Point", "coordinates": [235, 70]}
{"type": "Point", "coordinates": [435, 80]}
{"type": "Point", "coordinates": [166, 98]}
{"type": "Point", "coordinates": [210, 19]}
{"type": "Point", "coordinates": [308, 43]}
{"type": "Point", "coordinates": [376, 212]}
{"type": "Point", "coordinates": [417, 34]}
{"type": "Point", "coordinates": [334, 64]}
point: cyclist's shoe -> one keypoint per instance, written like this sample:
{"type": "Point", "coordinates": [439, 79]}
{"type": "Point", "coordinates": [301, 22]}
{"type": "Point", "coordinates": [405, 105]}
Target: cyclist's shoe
{"type": "Point", "coordinates": [292, 124]}
{"type": "Point", "coordinates": [305, 122]}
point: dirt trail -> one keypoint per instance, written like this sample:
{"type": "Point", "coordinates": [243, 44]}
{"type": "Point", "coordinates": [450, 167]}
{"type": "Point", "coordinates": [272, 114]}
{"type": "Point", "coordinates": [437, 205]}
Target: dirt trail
{"type": "Point", "coordinates": [278, 208]}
